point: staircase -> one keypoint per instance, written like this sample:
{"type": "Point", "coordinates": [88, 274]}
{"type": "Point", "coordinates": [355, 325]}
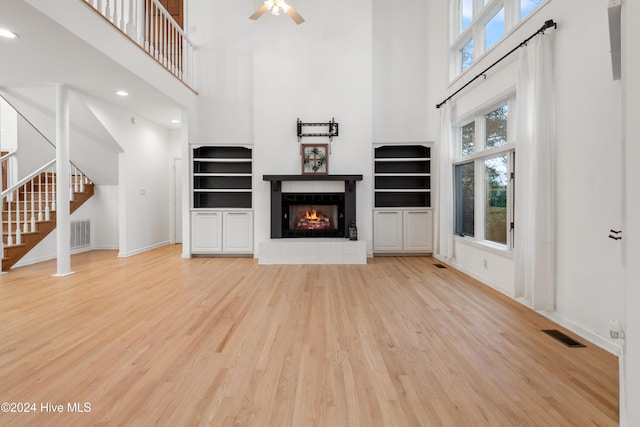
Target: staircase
{"type": "Point", "coordinates": [28, 210]}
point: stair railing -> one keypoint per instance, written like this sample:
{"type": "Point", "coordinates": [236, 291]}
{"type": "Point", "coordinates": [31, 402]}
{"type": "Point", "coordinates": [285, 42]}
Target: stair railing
{"type": "Point", "coordinates": [36, 191]}
{"type": "Point", "coordinates": [8, 164]}
{"type": "Point", "coordinates": [148, 23]}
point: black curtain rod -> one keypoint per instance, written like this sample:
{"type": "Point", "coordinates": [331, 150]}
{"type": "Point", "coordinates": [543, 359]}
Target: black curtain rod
{"type": "Point", "coordinates": [548, 24]}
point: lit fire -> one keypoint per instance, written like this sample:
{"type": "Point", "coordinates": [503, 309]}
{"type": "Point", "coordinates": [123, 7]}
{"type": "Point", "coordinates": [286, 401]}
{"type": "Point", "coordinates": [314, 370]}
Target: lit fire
{"type": "Point", "coordinates": [314, 220]}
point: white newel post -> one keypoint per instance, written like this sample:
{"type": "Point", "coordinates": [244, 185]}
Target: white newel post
{"type": "Point", "coordinates": [63, 170]}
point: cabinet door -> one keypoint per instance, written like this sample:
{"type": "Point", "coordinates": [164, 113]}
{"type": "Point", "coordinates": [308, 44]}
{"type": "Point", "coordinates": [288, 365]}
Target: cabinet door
{"type": "Point", "coordinates": [238, 232]}
{"type": "Point", "coordinates": [206, 232]}
{"type": "Point", "coordinates": [418, 230]}
{"type": "Point", "coordinates": [387, 231]}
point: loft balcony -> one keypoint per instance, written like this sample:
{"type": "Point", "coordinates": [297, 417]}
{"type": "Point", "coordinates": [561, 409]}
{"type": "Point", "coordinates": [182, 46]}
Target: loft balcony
{"type": "Point", "coordinates": [97, 47]}
{"type": "Point", "coordinates": [152, 27]}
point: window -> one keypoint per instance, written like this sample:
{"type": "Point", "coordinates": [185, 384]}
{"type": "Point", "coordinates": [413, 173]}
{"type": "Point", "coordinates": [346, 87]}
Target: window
{"type": "Point", "coordinates": [527, 6]}
{"type": "Point", "coordinates": [495, 217]}
{"type": "Point", "coordinates": [496, 127]}
{"type": "Point", "coordinates": [484, 177]}
{"type": "Point", "coordinates": [480, 24]}
{"type": "Point", "coordinates": [494, 30]}
{"type": "Point", "coordinates": [467, 55]}
{"type": "Point", "coordinates": [468, 138]}
{"type": "Point", "coordinates": [465, 194]}
{"type": "Point", "coordinates": [467, 12]}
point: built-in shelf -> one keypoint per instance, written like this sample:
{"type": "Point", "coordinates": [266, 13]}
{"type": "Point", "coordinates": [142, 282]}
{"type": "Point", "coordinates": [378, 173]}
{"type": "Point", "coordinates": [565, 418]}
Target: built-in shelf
{"type": "Point", "coordinates": [222, 177]}
{"type": "Point", "coordinates": [402, 176]}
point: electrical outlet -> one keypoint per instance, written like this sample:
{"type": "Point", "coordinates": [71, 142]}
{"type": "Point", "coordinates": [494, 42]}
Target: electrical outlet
{"type": "Point", "coordinates": [617, 329]}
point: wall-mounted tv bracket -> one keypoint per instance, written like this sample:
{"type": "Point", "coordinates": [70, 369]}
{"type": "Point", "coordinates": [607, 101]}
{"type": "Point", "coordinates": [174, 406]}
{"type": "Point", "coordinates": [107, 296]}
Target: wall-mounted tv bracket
{"type": "Point", "coordinates": [331, 128]}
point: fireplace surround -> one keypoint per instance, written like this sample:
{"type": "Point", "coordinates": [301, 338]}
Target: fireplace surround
{"type": "Point", "coordinates": [292, 214]}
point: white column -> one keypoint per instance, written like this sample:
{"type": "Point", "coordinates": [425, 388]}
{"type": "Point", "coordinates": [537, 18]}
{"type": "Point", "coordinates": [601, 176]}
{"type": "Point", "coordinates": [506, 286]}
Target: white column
{"type": "Point", "coordinates": [63, 169]}
{"type": "Point", "coordinates": [187, 165]}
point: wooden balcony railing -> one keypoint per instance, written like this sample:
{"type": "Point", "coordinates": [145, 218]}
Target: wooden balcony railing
{"type": "Point", "coordinates": [149, 24]}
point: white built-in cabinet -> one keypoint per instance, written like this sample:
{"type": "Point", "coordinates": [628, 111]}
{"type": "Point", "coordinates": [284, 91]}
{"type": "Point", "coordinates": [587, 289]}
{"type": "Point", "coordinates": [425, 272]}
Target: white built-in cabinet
{"type": "Point", "coordinates": [222, 232]}
{"type": "Point", "coordinates": [222, 214]}
{"type": "Point", "coordinates": [402, 214]}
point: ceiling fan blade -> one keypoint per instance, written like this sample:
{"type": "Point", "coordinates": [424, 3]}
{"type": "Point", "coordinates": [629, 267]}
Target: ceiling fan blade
{"type": "Point", "coordinates": [258, 13]}
{"type": "Point", "coordinates": [295, 15]}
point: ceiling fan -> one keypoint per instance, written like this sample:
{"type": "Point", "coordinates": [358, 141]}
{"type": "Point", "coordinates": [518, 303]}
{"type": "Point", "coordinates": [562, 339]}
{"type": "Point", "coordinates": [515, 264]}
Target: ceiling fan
{"type": "Point", "coordinates": [274, 7]}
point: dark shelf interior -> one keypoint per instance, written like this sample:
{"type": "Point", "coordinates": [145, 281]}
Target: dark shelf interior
{"type": "Point", "coordinates": [400, 176]}
{"type": "Point", "coordinates": [231, 161]}
{"type": "Point", "coordinates": [222, 182]}
{"type": "Point", "coordinates": [402, 182]}
{"type": "Point", "coordinates": [402, 200]}
{"type": "Point", "coordinates": [222, 200]}
{"type": "Point", "coordinates": [403, 167]}
{"type": "Point", "coordinates": [222, 153]}
{"type": "Point", "coordinates": [402, 151]}
{"type": "Point", "coordinates": [221, 167]}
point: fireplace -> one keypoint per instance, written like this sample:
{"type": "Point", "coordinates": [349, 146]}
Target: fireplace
{"type": "Point", "coordinates": [292, 213]}
{"type": "Point", "coordinates": [313, 215]}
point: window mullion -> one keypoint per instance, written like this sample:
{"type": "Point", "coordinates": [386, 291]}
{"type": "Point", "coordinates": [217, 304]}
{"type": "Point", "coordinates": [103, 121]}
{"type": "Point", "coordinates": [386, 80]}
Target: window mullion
{"type": "Point", "coordinates": [480, 199]}
{"type": "Point", "coordinates": [511, 14]}
{"type": "Point", "coordinates": [481, 132]}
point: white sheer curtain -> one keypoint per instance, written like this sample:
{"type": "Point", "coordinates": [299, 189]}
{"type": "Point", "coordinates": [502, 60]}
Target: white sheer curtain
{"type": "Point", "coordinates": [535, 176]}
{"type": "Point", "coordinates": [444, 208]}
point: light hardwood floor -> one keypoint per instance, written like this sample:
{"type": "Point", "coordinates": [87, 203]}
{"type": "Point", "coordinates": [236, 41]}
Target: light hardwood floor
{"type": "Point", "coordinates": [158, 340]}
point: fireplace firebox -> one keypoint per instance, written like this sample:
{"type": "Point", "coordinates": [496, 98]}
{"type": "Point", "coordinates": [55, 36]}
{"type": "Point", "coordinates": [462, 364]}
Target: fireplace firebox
{"type": "Point", "coordinates": [313, 215]}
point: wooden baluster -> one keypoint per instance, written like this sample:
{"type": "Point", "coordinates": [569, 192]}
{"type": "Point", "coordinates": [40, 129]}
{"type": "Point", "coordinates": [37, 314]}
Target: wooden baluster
{"type": "Point", "coordinates": [33, 206]}
{"type": "Point", "coordinates": [40, 197]}
{"type": "Point", "coordinates": [123, 26]}
{"type": "Point", "coordinates": [71, 183]}
{"type": "Point", "coordinates": [107, 10]}
{"type": "Point", "coordinates": [9, 225]}
{"type": "Point", "coordinates": [156, 28]}
{"type": "Point", "coordinates": [25, 226]}
{"type": "Point", "coordinates": [146, 25]}
{"type": "Point", "coordinates": [18, 234]}
{"type": "Point", "coordinates": [47, 212]}
{"type": "Point", "coordinates": [54, 190]}
{"type": "Point", "coordinates": [76, 184]}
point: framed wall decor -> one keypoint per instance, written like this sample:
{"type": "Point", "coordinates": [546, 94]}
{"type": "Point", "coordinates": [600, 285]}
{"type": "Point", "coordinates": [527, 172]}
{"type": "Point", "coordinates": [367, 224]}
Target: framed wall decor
{"type": "Point", "coordinates": [315, 159]}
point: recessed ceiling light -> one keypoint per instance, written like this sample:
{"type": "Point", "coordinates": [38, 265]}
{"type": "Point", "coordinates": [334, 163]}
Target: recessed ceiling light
{"type": "Point", "coordinates": [7, 34]}
{"type": "Point", "coordinates": [122, 93]}
{"type": "Point", "coordinates": [175, 121]}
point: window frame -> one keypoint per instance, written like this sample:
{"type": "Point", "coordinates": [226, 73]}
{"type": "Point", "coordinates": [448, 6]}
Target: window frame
{"type": "Point", "coordinates": [482, 14]}
{"type": "Point", "coordinates": [480, 154]}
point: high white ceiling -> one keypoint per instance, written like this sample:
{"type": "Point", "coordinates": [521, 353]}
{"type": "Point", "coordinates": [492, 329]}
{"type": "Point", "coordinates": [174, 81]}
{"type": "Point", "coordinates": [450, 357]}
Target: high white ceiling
{"type": "Point", "coordinates": [46, 53]}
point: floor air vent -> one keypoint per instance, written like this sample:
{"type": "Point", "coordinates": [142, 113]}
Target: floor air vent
{"type": "Point", "coordinates": [439, 266]}
{"type": "Point", "coordinates": [563, 338]}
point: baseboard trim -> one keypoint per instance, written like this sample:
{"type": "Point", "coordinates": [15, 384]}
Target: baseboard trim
{"type": "Point", "coordinates": [144, 249]}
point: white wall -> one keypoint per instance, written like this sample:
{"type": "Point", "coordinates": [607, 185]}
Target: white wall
{"type": "Point", "coordinates": [34, 151]}
{"type": "Point", "coordinates": [258, 77]}
{"type": "Point", "coordinates": [8, 127]}
{"type": "Point", "coordinates": [631, 228]}
{"type": "Point", "coordinates": [400, 71]}
{"type": "Point", "coordinates": [589, 272]}
{"type": "Point", "coordinates": [144, 178]}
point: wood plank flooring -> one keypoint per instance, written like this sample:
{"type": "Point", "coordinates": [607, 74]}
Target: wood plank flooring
{"type": "Point", "coordinates": [162, 341]}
